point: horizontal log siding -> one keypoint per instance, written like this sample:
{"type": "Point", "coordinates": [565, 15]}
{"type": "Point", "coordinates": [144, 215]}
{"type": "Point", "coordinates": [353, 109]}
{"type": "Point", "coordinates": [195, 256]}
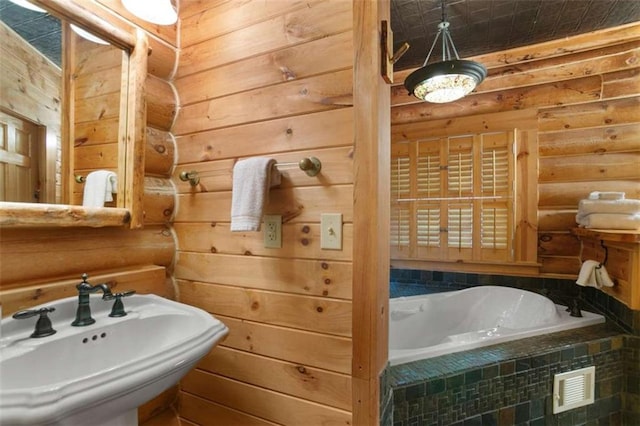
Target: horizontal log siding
{"type": "Point", "coordinates": [267, 79]}
{"type": "Point", "coordinates": [585, 92]}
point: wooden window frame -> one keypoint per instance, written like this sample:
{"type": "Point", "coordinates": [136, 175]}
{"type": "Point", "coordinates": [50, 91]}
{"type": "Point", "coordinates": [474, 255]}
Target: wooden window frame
{"type": "Point", "coordinates": [517, 255]}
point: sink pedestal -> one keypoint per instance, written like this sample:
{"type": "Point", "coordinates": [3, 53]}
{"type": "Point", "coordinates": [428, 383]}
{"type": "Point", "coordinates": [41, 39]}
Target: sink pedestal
{"type": "Point", "coordinates": [128, 418]}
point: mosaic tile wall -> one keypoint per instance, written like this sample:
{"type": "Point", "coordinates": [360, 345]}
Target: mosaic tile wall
{"type": "Point", "coordinates": [631, 397]}
{"type": "Point", "coordinates": [409, 282]}
{"type": "Point", "coordinates": [510, 383]}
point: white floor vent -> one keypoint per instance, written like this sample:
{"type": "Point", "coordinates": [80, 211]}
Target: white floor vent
{"type": "Point", "coordinates": [573, 389]}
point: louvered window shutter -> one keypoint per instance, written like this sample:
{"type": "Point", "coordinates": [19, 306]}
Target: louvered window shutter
{"type": "Point", "coordinates": [452, 198]}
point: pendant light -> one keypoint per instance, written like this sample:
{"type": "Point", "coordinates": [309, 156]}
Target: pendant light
{"type": "Point", "coordinates": [161, 12]}
{"type": "Point", "coordinates": [87, 35]}
{"type": "Point", "coordinates": [28, 5]}
{"type": "Point", "coordinates": [448, 80]}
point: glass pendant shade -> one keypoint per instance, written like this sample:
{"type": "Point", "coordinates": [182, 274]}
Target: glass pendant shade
{"type": "Point", "coordinates": [159, 12]}
{"type": "Point", "coordinates": [448, 80]}
{"type": "Point", "coordinates": [27, 5]}
{"type": "Point", "coordinates": [87, 35]}
{"type": "Point", "coordinates": [445, 81]}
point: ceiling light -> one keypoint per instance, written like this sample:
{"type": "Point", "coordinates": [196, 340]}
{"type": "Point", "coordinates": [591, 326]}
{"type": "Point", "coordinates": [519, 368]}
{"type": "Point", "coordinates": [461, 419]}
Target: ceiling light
{"type": "Point", "coordinates": [87, 35]}
{"type": "Point", "coordinates": [448, 80]}
{"type": "Point", "coordinates": [27, 5]}
{"type": "Point", "coordinates": [159, 12]}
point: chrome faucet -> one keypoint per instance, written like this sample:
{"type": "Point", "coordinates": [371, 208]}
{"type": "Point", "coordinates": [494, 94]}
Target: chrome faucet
{"type": "Point", "coordinates": [83, 314]}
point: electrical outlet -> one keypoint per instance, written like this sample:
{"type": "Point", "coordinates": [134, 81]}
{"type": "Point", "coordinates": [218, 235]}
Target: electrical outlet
{"type": "Point", "coordinates": [272, 231]}
{"type": "Point", "coordinates": [331, 231]}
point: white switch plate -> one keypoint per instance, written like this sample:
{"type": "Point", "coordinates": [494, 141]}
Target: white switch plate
{"type": "Point", "coordinates": [331, 231]}
{"type": "Point", "coordinates": [272, 231]}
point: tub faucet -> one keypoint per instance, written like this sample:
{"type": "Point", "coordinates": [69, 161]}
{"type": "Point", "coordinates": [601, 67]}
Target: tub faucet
{"type": "Point", "coordinates": [574, 309]}
{"type": "Point", "coordinates": [83, 314]}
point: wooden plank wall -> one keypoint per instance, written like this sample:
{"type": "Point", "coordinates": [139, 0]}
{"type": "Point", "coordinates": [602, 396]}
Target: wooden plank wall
{"type": "Point", "coordinates": [37, 98]}
{"type": "Point", "coordinates": [585, 91]}
{"type": "Point", "coordinates": [41, 264]}
{"type": "Point", "coordinates": [267, 79]}
{"type": "Point", "coordinates": [95, 75]}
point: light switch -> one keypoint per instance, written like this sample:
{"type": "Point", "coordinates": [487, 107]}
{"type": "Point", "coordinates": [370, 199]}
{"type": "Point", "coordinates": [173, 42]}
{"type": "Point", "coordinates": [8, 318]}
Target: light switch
{"type": "Point", "coordinates": [331, 231]}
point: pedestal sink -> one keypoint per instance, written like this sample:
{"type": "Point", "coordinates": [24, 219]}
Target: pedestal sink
{"type": "Point", "coordinates": [99, 374]}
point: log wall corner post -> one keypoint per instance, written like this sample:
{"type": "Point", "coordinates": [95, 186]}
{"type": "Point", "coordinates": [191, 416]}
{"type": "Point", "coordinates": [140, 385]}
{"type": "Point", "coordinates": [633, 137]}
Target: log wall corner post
{"type": "Point", "coordinates": [371, 211]}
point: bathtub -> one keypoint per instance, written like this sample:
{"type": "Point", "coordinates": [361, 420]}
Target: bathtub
{"type": "Point", "coordinates": [431, 325]}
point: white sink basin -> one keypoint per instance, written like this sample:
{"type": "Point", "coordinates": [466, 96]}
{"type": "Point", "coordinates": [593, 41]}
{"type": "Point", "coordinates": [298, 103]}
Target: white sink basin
{"type": "Point", "coordinates": [99, 374]}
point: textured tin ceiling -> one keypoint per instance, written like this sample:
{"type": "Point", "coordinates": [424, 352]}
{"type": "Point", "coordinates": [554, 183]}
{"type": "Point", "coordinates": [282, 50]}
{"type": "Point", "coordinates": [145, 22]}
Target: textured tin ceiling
{"type": "Point", "coordinates": [40, 29]}
{"type": "Point", "coordinates": [477, 26]}
{"type": "Point", "coordinates": [483, 26]}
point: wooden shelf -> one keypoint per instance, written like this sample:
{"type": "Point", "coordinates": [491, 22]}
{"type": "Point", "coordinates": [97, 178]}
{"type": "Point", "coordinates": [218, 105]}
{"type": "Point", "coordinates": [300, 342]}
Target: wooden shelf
{"type": "Point", "coordinates": [608, 235]}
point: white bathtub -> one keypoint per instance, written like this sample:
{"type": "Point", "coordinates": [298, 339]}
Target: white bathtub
{"type": "Point", "coordinates": [436, 324]}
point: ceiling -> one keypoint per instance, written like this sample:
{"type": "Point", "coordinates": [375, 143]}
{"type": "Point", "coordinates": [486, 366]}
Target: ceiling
{"type": "Point", "coordinates": [483, 26]}
{"type": "Point", "coordinates": [40, 29]}
{"type": "Point", "coordinates": [477, 26]}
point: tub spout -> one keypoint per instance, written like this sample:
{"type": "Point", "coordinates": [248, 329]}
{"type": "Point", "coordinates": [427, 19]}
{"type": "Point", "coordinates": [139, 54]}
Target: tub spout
{"type": "Point", "coordinates": [574, 309]}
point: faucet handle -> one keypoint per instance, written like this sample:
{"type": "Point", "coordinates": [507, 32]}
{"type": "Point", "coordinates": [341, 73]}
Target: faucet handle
{"type": "Point", "coordinates": [43, 325]}
{"type": "Point", "coordinates": [118, 306]}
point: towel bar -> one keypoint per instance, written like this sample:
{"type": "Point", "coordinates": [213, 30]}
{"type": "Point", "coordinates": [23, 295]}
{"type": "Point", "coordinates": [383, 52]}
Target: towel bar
{"type": "Point", "coordinates": [310, 165]}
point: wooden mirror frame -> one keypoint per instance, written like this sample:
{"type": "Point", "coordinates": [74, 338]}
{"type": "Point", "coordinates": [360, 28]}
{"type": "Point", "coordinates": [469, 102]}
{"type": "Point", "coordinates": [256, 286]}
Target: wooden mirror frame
{"type": "Point", "coordinates": [131, 133]}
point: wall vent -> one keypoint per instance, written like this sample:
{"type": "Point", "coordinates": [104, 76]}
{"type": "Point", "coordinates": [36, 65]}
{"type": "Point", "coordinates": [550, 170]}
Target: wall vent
{"type": "Point", "coordinates": [573, 389]}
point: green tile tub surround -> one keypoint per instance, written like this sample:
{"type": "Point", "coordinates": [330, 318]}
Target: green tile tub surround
{"type": "Point", "coordinates": [409, 282]}
{"type": "Point", "coordinates": [510, 383]}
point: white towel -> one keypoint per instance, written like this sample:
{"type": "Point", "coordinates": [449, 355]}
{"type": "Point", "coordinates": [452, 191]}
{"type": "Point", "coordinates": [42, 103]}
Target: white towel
{"type": "Point", "coordinates": [602, 277]}
{"type": "Point", "coordinates": [609, 221]}
{"type": "Point", "coordinates": [587, 275]}
{"type": "Point", "coordinates": [99, 187]}
{"type": "Point", "coordinates": [623, 206]}
{"type": "Point", "coordinates": [252, 179]}
{"type": "Point", "coordinates": [606, 195]}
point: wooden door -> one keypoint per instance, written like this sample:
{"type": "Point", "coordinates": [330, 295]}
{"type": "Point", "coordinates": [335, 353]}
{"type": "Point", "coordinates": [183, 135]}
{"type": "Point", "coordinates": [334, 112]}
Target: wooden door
{"type": "Point", "coordinates": [19, 160]}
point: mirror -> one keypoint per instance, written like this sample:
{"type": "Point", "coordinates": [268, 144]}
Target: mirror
{"type": "Point", "coordinates": [102, 126]}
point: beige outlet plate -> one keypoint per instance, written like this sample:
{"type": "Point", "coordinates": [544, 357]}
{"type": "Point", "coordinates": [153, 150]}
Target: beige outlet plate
{"type": "Point", "coordinates": [272, 229]}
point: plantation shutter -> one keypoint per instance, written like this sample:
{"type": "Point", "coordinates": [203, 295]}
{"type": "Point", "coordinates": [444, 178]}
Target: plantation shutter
{"type": "Point", "coordinates": [400, 219]}
{"type": "Point", "coordinates": [497, 176]}
{"type": "Point", "coordinates": [452, 198]}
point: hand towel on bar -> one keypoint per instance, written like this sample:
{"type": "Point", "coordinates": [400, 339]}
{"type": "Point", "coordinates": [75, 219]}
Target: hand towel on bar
{"type": "Point", "coordinates": [609, 221]}
{"type": "Point", "coordinates": [252, 179]}
{"type": "Point", "coordinates": [98, 187]}
{"type": "Point", "coordinates": [606, 195]}
{"type": "Point", "coordinates": [623, 206]}
{"type": "Point", "coordinates": [602, 277]}
{"type": "Point", "coordinates": [587, 275]}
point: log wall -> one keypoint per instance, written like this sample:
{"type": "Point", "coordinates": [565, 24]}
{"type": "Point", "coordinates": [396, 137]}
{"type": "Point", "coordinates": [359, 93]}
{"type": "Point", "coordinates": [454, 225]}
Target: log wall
{"type": "Point", "coordinates": [41, 264]}
{"type": "Point", "coordinates": [585, 91]}
{"type": "Point", "coordinates": [267, 79]}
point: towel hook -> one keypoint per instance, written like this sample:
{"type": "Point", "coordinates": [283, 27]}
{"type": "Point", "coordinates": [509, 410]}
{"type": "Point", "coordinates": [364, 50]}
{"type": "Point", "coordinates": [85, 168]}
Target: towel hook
{"type": "Point", "coordinates": [79, 178]}
{"type": "Point", "coordinates": [606, 255]}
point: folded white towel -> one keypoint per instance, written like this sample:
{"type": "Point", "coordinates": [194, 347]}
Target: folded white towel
{"type": "Point", "coordinates": [606, 195]}
{"type": "Point", "coordinates": [252, 179]}
{"type": "Point", "coordinates": [609, 221]}
{"type": "Point", "coordinates": [587, 275]}
{"type": "Point", "coordinates": [626, 206]}
{"type": "Point", "coordinates": [99, 187]}
{"type": "Point", "coordinates": [602, 277]}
